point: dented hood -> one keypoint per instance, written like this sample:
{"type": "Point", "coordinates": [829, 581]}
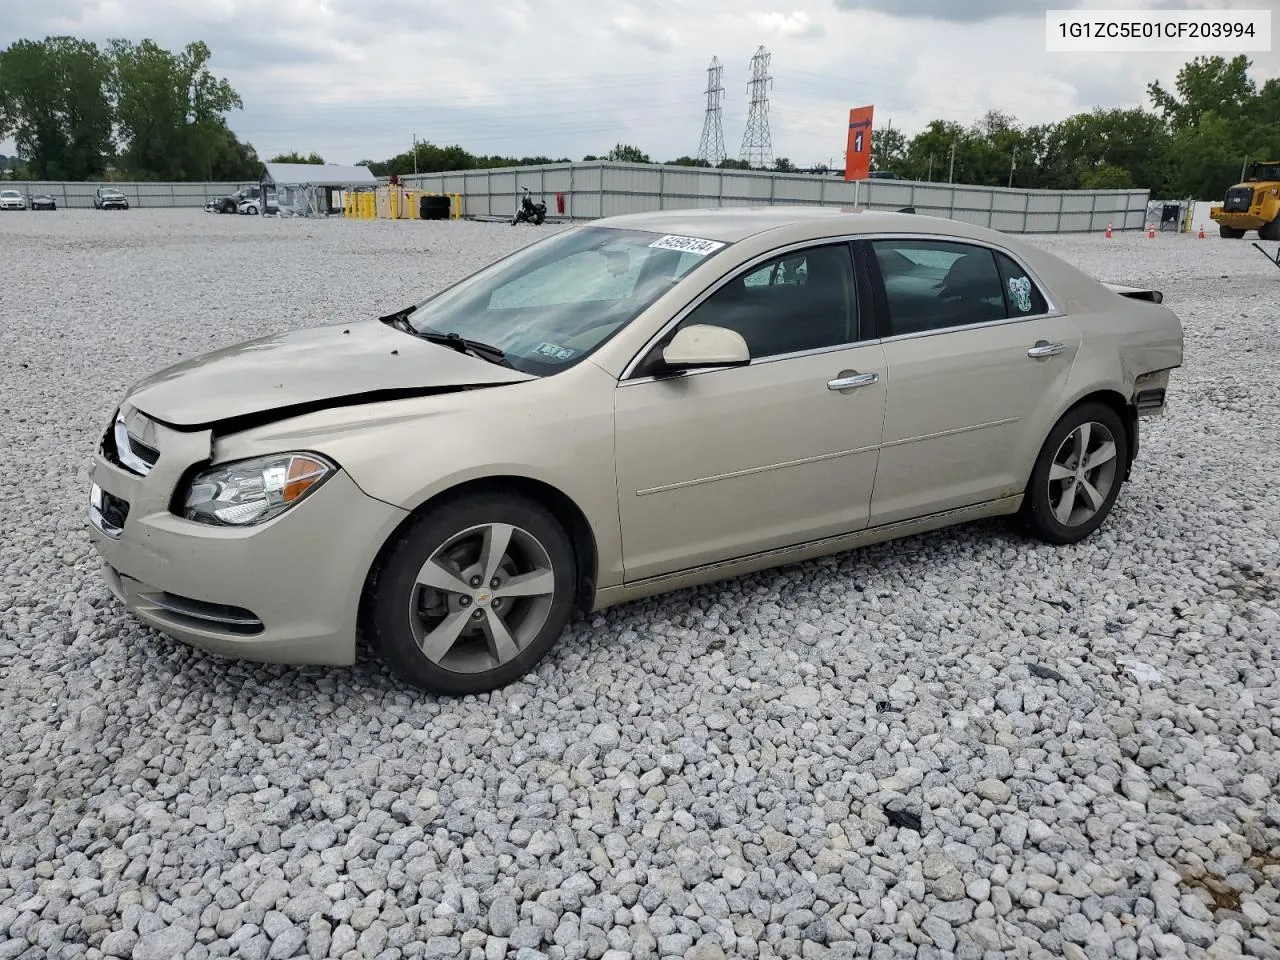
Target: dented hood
{"type": "Point", "coordinates": [307, 369]}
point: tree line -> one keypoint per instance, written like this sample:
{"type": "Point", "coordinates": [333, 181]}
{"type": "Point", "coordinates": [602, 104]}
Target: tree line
{"type": "Point", "coordinates": [78, 111]}
{"type": "Point", "coordinates": [1193, 141]}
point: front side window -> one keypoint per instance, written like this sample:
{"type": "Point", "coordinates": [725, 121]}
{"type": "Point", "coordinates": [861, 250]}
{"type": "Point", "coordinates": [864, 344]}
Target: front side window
{"type": "Point", "coordinates": [800, 301]}
{"type": "Point", "coordinates": [937, 284]}
{"type": "Point", "coordinates": [555, 302]}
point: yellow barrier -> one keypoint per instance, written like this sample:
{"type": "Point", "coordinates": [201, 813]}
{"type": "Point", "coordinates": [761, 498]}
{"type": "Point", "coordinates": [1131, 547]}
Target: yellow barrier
{"type": "Point", "coordinates": [385, 203]}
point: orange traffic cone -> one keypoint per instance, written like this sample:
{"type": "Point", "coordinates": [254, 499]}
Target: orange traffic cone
{"type": "Point", "coordinates": [1200, 236]}
{"type": "Point", "coordinates": [1151, 232]}
{"type": "Point", "coordinates": [1108, 233]}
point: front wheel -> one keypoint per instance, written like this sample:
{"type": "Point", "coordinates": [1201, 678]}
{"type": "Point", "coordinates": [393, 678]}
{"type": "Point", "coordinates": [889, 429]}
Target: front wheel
{"type": "Point", "coordinates": [473, 594]}
{"type": "Point", "coordinates": [1230, 233]}
{"type": "Point", "coordinates": [1077, 475]}
{"type": "Point", "coordinates": [1270, 231]}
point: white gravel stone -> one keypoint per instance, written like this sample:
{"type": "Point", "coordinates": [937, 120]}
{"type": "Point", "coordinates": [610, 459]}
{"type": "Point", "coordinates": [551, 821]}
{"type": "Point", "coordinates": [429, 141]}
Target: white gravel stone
{"type": "Point", "coordinates": [724, 771]}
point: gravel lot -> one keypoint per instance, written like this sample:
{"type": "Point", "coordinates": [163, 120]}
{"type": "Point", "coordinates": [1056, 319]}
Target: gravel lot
{"type": "Point", "coordinates": [731, 771]}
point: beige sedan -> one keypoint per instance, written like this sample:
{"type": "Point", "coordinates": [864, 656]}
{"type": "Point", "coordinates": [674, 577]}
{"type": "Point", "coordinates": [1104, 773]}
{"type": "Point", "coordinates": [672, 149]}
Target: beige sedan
{"type": "Point", "coordinates": [623, 408]}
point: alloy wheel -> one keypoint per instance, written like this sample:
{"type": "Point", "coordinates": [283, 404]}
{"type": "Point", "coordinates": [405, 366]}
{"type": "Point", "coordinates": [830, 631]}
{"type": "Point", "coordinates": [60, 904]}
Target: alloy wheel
{"type": "Point", "coordinates": [481, 598]}
{"type": "Point", "coordinates": [1082, 474]}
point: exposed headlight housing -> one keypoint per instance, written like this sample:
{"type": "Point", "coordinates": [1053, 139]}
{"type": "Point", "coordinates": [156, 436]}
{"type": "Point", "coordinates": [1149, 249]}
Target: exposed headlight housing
{"type": "Point", "coordinates": [249, 492]}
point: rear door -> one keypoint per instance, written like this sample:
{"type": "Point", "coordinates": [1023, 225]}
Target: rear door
{"type": "Point", "coordinates": [977, 359]}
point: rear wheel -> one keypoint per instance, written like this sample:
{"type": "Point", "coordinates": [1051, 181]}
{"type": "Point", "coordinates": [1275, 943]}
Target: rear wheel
{"type": "Point", "coordinates": [1230, 233]}
{"type": "Point", "coordinates": [1270, 231]}
{"type": "Point", "coordinates": [1077, 476]}
{"type": "Point", "coordinates": [473, 594]}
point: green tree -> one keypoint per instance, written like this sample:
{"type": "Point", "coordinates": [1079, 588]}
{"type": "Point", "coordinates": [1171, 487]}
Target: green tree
{"type": "Point", "coordinates": [1129, 139]}
{"type": "Point", "coordinates": [293, 156]}
{"type": "Point", "coordinates": [625, 153]}
{"type": "Point", "coordinates": [1205, 85]}
{"type": "Point", "coordinates": [728, 163]}
{"type": "Point", "coordinates": [888, 149]}
{"type": "Point", "coordinates": [234, 160]}
{"type": "Point", "coordinates": [783, 165]}
{"type": "Point", "coordinates": [1106, 177]}
{"type": "Point", "coordinates": [170, 109]}
{"type": "Point", "coordinates": [54, 101]}
{"type": "Point", "coordinates": [688, 162]}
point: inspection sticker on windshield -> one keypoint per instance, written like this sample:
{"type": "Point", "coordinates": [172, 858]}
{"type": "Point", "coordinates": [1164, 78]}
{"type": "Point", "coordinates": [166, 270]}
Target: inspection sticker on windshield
{"type": "Point", "coordinates": [553, 350]}
{"type": "Point", "coordinates": [694, 245]}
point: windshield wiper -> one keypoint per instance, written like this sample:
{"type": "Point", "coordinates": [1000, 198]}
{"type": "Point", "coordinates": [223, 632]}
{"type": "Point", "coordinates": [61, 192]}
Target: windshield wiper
{"type": "Point", "coordinates": [457, 342]}
{"type": "Point", "coordinates": [476, 348]}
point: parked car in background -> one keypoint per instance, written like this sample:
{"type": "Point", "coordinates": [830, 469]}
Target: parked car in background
{"type": "Point", "coordinates": [109, 198]}
{"type": "Point", "coordinates": [259, 203]}
{"type": "Point", "coordinates": [43, 201]}
{"type": "Point", "coordinates": [234, 202]}
{"type": "Point", "coordinates": [12, 200]}
{"type": "Point", "coordinates": [763, 386]}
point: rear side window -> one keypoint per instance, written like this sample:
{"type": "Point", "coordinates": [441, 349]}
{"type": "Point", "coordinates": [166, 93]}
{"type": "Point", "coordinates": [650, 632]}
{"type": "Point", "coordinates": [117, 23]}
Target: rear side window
{"type": "Point", "coordinates": [938, 284]}
{"type": "Point", "coordinates": [1023, 296]}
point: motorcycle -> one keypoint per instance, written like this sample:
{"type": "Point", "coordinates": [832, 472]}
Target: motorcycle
{"type": "Point", "coordinates": [528, 211]}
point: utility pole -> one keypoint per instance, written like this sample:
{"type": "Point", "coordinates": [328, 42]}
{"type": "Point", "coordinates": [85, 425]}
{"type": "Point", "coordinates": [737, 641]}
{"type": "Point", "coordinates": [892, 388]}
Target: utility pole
{"type": "Point", "coordinates": [951, 174]}
{"type": "Point", "coordinates": [711, 147]}
{"type": "Point", "coordinates": [929, 176]}
{"type": "Point", "coordinates": [415, 154]}
{"type": "Point", "coordinates": [757, 145]}
{"type": "Point", "coordinates": [1012, 164]}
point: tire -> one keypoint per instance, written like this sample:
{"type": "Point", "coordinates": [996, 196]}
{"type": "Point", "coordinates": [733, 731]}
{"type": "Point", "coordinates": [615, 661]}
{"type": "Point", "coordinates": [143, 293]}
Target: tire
{"type": "Point", "coordinates": [1270, 231]}
{"type": "Point", "coordinates": [402, 616]}
{"type": "Point", "coordinates": [1042, 507]}
{"type": "Point", "coordinates": [1230, 233]}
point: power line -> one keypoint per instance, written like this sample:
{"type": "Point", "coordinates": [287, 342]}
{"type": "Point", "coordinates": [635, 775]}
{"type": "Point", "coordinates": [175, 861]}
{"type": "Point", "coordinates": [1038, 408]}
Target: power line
{"type": "Point", "coordinates": [757, 143]}
{"type": "Point", "coordinates": [711, 148]}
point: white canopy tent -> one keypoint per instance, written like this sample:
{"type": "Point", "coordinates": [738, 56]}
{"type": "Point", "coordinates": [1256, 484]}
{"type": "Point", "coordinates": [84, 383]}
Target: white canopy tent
{"type": "Point", "coordinates": [313, 189]}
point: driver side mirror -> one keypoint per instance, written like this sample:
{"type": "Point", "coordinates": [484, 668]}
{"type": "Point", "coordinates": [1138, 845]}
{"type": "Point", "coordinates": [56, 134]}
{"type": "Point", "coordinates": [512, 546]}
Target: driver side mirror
{"type": "Point", "coordinates": [702, 345]}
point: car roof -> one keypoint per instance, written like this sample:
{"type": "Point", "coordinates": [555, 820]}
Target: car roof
{"type": "Point", "coordinates": [732, 224]}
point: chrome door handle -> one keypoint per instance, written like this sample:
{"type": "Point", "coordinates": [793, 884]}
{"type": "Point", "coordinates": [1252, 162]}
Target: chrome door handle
{"type": "Point", "coordinates": [857, 380]}
{"type": "Point", "coordinates": [1044, 348]}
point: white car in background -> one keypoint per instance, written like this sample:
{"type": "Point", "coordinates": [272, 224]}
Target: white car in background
{"type": "Point", "coordinates": [12, 200]}
{"type": "Point", "coordinates": [253, 205]}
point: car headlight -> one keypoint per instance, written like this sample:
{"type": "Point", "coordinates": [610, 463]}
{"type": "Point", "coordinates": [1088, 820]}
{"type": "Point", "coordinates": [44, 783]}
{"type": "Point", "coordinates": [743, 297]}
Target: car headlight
{"type": "Point", "coordinates": [246, 492]}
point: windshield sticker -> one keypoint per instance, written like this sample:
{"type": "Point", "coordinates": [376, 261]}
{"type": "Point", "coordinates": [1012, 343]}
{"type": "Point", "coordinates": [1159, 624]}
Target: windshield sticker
{"type": "Point", "coordinates": [554, 351]}
{"type": "Point", "coordinates": [1020, 291]}
{"type": "Point", "coordinates": [694, 245]}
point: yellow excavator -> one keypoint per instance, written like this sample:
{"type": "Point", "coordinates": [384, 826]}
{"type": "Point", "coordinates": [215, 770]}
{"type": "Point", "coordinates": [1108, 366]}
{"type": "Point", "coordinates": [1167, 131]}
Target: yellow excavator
{"type": "Point", "coordinates": [1252, 205]}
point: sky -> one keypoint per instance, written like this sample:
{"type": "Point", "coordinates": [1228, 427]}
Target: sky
{"type": "Point", "coordinates": [358, 79]}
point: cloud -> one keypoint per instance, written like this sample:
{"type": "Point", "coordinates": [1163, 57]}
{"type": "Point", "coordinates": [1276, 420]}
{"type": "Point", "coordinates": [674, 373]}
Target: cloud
{"type": "Point", "coordinates": [650, 36]}
{"type": "Point", "coordinates": [795, 24]}
{"type": "Point", "coordinates": [358, 79]}
{"type": "Point", "coordinates": [958, 11]}
{"type": "Point", "coordinates": [981, 11]}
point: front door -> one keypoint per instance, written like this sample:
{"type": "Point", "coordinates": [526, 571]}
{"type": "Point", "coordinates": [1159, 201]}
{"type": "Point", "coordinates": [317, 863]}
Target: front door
{"type": "Point", "coordinates": [977, 361]}
{"type": "Point", "coordinates": [719, 464]}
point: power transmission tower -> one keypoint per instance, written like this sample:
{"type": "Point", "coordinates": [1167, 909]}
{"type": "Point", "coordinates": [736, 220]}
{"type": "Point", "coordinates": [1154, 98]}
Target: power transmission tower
{"type": "Point", "coordinates": [711, 148]}
{"type": "Point", "coordinates": [757, 145]}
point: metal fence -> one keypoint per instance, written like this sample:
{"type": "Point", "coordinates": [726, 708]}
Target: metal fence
{"type": "Point", "coordinates": [80, 194]}
{"type": "Point", "coordinates": [602, 189]}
